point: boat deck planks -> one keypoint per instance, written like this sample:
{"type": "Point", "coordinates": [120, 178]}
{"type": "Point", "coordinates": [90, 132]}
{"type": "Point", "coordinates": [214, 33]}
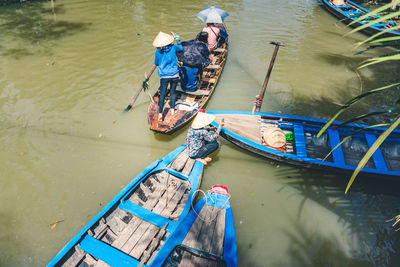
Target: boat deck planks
{"type": "Point", "coordinates": [162, 195]}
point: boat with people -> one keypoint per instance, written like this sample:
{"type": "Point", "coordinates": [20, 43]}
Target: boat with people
{"type": "Point", "coordinates": [348, 11]}
{"type": "Point", "coordinates": [132, 227]}
{"type": "Point", "coordinates": [182, 102]}
{"type": "Point", "coordinates": [292, 139]}
{"type": "Point", "coordinates": [205, 237]}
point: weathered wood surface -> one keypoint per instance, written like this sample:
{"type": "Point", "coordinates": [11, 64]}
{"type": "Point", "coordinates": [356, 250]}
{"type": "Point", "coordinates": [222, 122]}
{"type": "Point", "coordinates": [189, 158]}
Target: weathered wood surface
{"type": "Point", "coordinates": [247, 126]}
{"type": "Point", "coordinates": [161, 193]}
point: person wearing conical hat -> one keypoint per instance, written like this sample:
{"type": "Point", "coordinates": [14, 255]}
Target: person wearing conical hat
{"type": "Point", "coordinates": [199, 141]}
{"type": "Point", "coordinates": [165, 59]}
{"type": "Point", "coordinates": [338, 2]}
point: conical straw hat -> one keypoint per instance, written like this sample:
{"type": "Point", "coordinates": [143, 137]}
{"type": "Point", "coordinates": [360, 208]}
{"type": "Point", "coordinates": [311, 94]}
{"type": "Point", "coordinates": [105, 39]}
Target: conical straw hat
{"type": "Point", "coordinates": [202, 119]}
{"type": "Point", "coordinates": [274, 137]}
{"type": "Point", "coordinates": [163, 39]}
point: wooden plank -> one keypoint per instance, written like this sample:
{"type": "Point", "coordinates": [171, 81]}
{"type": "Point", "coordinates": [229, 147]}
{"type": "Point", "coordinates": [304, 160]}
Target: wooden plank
{"type": "Point", "coordinates": [203, 241]}
{"type": "Point", "coordinates": [300, 141]}
{"type": "Point", "coordinates": [212, 67]}
{"type": "Point", "coordinates": [148, 234]}
{"type": "Point", "coordinates": [379, 161]}
{"type": "Point", "coordinates": [188, 167]}
{"type": "Point", "coordinates": [148, 252]}
{"type": "Point", "coordinates": [101, 263]}
{"type": "Point", "coordinates": [219, 50]}
{"type": "Point", "coordinates": [337, 154]}
{"type": "Point", "coordinates": [191, 236]}
{"type": "Point", "coordinates": [76, 257]}
{"type": "Point", "coordinates": [217, 244]}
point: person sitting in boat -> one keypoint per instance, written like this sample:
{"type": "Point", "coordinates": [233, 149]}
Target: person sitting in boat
{"type": "Point", "coordinates": [194, 57]}
{"type": "Point", "coordinates": [165, 59]}
{"type": "Point", "coordinates": [200, 142]}
{"type": "Point", "coordinates": [338, 2]}
{"type": "Point", "coordinates": [213, 34]}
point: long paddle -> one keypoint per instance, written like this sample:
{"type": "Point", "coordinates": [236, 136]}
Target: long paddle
{"type": "Point", "coordinates": [260, 97]}
{"type": "Point", "coordinates": [144, 86]}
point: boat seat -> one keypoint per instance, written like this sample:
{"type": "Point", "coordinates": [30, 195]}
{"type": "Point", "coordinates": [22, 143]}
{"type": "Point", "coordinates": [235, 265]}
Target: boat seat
{"type": "Point", "coordinates": [147, 215]}
{"type": "Point", "coordinates": [344, 6]}
{"type": "Point", "coordinates": [378, 25]}
{"type": "Point", "coordinates": [379, 161]}
{"type": "Point", "coordinates": [197, 92]}
{"type": "Point", "coordinates": [219, 50]}
{"type": "Point", "coordinates": [106, 253]}
{"type": "Point", "coordinates": [213, 67]}
{"type": "Point", "coordinates": [352, 12]}
{"type": "Point", "coordinates": [337, 154]}
{"type": "Point", "coordinates": [300, 140]}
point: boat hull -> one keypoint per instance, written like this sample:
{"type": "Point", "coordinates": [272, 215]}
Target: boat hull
{"type": "Point", "coordinates": [309, 151]}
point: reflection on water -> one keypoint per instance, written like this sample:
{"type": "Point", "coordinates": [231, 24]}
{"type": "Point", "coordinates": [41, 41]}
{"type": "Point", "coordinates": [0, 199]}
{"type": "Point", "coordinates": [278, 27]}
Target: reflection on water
{"type": "Point", "coordinates": [66, 149]}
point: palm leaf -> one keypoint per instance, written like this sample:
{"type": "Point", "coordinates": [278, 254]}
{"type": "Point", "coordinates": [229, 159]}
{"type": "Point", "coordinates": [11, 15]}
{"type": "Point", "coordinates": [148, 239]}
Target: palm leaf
{"type": "Point", "coordinates": [377, 60]}
{"type": "Point", "coordinates": [367, 115]}
{"type": "Point", "coordinates": [350, 102]}
{"type": "Point", "coordinates": [371, 151]}
{"type": "Point", "coordinates": [386, 39]}
{"type": "Point", "coordinates": [377, 34]}
{"type": "Point", "coordinates": [356, 132]}
{"type": "Point", "coordinates": [384, 18]}
{"type": "Point", "coordinates": [374, 12]}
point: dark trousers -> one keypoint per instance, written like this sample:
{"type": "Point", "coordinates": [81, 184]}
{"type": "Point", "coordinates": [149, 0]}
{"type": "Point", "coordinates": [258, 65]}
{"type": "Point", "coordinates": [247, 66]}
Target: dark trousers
{"type": "Point", "coordinates": [207, 149]}
{"type": "Point", "coordinates": [163, 92]}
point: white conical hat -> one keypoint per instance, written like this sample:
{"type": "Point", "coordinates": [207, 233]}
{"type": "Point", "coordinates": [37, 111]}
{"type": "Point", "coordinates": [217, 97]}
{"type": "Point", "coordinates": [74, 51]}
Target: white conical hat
{"type": "Point", "coordinates": [274, 137]}
{"type": "Point", "coordinates": [202, 119]}
{"type": "Point", "coordinates": [163, 39]}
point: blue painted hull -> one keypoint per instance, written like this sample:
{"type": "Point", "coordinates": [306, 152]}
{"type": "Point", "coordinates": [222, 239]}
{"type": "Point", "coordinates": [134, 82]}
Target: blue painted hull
{"type": "Point", "coordinates": [309, 151]}
{"type": "Point", "coordinates": [100, 250]}
{"type": "Point", "coordinates": [177, 242]}
{"type": "Point", "coordinates": [351, 11]}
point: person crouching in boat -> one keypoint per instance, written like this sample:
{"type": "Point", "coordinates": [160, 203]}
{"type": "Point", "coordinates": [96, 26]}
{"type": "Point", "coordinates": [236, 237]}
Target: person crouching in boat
{"type": "Point", "coordinates": [338, 2]}
{"type": "Point", "coordinates": [213, 34]}
{"type": "Point", "coordinates": [199, 54]}
{"type": "Point", "coordinates": [200, 142]}
{"type": "Point", "coordinates": [165, 59]}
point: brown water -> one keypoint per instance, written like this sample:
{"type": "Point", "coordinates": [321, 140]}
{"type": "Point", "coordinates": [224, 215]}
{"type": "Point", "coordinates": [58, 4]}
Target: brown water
{"type": "Point", "coordinates": [66, 148]}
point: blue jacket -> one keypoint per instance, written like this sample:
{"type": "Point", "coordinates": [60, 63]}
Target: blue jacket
{"type": "Point", "coordinates": [166, 61]}
{"type": "Point", "coordinates": [189, 79]}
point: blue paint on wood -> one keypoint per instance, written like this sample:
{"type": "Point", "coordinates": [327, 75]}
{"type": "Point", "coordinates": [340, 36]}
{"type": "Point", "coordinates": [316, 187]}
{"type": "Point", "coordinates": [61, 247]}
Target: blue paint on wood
{"type": "Point", "coordinates": [177, 174]}
{"type": "Point", "coordinates": [338, 152]}
{"type": "Point", "coordinates": [106, 253]}
{"type": "Point", "coordinates": [147, 215]}
{"type": "Point", "coordinates": [379, 161]}
{"type": "Point", "coordinates": [300, 141]}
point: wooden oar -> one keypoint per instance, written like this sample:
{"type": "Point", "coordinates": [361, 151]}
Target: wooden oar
{"type": "Point", "coordinates": [260, 97]}
{"type": "Point", "coordinates": [140, 89]}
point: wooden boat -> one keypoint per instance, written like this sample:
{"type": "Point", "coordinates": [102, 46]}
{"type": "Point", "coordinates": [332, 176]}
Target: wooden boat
{"type": "Point", "coordinates": [351, 11]}
{"type": "Point", "coordinates": [205, 237]}
{"type": "Point", "coordinates": [130, 230]}
{"type": "Point", "coordinates": [195, 100]}
{"type": "Point", "coordinates": [246, 130]}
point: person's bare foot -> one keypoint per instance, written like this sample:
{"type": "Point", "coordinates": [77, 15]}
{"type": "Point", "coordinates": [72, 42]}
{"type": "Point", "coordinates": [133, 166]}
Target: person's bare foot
{"type": "Point", "coordinates": [172, 112]}
{"type": "Point", "coordinates": [159, 116]}
{"type": "Point", "coordinates": [202, 161]}
{"type": "Point", "coordinates": [208, 159]}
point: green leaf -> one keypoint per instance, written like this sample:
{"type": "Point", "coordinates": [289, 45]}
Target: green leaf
{"type": "Point", "coordinates": [386, 39]}
{"type": "Point", "coordinates": [350, 102]}
{"type": "Point", "coordinates": [377, 34]}
{"type": "Point", "coordinates": [374, 12]}
{"type": "Point", "coordinates": [371, 151]}
{"type": "Point", "coordinates": [356, 132]}
{"type": "Point", "coordinates": [384, 18]}
{"type": "Point", "coordinates": [377, 60]}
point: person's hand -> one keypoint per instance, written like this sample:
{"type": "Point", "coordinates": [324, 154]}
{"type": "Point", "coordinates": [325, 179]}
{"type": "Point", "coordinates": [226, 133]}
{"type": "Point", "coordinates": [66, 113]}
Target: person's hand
{"type": "Point", "coordinates": [177, 37]}
{"type": "Point", "coordinates": [222, 123]}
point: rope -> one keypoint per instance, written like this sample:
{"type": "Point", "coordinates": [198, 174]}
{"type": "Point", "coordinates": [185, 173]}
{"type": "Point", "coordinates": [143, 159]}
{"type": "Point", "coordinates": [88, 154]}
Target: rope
{"type": "Point", "coordinates": [210, 208]}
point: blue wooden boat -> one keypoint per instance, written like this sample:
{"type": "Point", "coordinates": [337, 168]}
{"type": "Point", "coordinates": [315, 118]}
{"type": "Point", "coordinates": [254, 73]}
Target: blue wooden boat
{"type": "Point", "coordinates": [351, 11]}
{"type": "Point", "coordinates": [205, 237]}
{"type": "Point", "coordinates": [246, 130]}
{"type": "Point", "coordinates": [130, 230]}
